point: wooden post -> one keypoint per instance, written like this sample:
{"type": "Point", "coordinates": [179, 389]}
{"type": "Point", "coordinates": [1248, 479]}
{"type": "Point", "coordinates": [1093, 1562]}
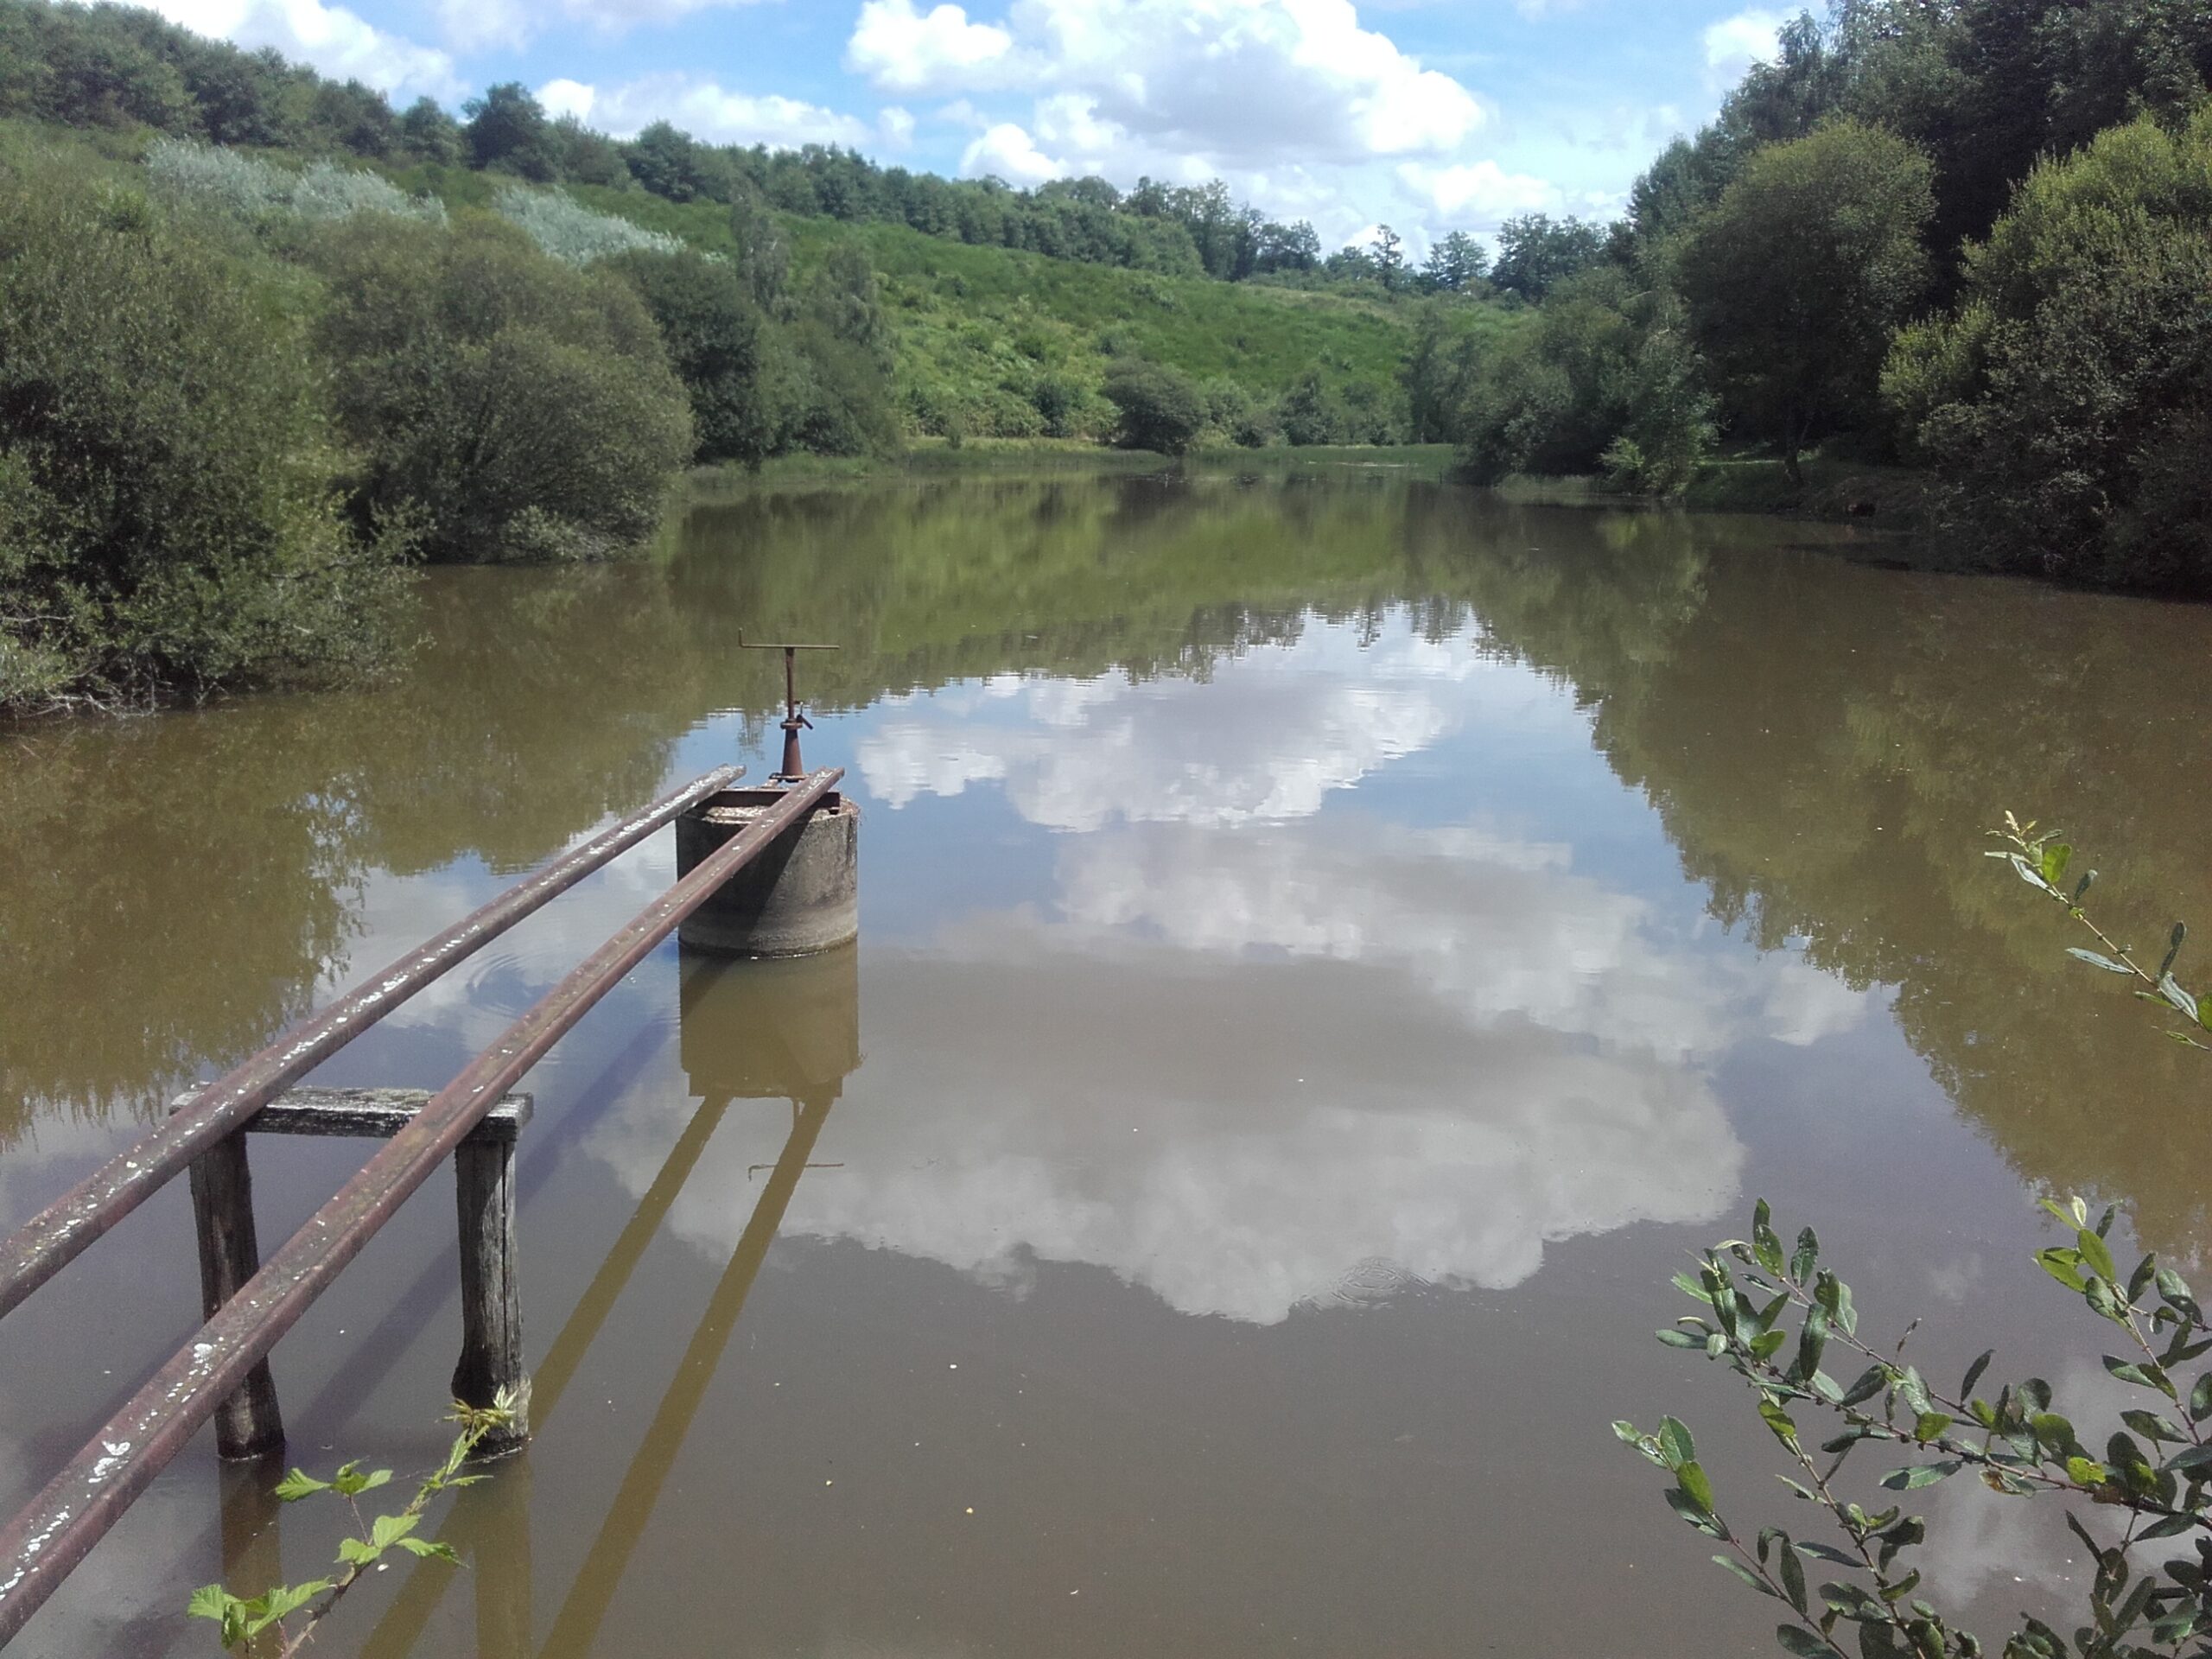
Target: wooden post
{"type": "Point", "coordinates": [247, 1424]}
{"type": "Point", "coordinates": [491, 1289]}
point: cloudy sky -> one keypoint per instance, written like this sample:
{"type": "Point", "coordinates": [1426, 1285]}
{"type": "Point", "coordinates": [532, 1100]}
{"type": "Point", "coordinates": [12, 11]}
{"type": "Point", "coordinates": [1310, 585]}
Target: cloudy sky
{"type": "Point", "coordinates": [1429, 115]}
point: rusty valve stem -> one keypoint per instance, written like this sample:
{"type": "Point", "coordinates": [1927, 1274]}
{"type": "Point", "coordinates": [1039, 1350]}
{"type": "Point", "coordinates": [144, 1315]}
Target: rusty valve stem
{"type": "Point", "coordinates": [794, 769]}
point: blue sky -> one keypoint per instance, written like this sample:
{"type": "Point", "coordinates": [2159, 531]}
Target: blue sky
{"type": "Point", "coordinates": [1429, 115]}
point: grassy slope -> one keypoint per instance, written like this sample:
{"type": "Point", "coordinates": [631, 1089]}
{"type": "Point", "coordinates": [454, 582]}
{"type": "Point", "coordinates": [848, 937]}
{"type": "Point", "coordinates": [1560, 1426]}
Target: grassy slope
{"type": "Point", "coordinates": [979, 327]}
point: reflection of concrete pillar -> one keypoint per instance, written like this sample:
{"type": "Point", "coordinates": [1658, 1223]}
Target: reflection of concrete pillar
{"type": "Point", "coordinates": [772, 1030]}
{"type": "Point", "coordinates": [797, 897]}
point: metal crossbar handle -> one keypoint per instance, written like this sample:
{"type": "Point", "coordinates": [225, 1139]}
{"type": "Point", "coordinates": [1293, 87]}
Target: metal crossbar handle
{"type": "Point", "coordinates": [40, 1546]}
{"type": "Point", "coordinates": [57, 1235]}
{"type": "Point", "coordinates": [793, 767]}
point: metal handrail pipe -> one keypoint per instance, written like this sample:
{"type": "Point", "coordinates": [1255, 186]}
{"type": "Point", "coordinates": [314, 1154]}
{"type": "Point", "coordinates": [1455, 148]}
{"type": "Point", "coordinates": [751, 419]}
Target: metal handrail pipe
{"type": "Point", "coordinates": [49, 1241]}
{"type": "Point", "coordinates": [58, 1527]}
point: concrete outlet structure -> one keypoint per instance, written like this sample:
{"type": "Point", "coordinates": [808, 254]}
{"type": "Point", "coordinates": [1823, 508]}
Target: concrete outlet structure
{"type": "Point", "coordinates": [800, 896]}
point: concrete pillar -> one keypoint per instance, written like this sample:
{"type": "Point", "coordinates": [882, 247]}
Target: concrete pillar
{"type": "Point", "coordinates": [800, 896]}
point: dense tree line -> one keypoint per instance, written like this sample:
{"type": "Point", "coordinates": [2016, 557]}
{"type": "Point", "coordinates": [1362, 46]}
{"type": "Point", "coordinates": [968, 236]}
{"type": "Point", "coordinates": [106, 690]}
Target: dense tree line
{"type": "Point", "coordinates": [1971, 234]}
{"type": "Point", "coordinates": [109, 66]}
{"type": "Point", "coordinates": [235, 398]}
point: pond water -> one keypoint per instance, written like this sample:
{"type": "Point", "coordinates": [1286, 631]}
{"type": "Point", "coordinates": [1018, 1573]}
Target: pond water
{"type": "Point", "coordinates": [1330, 948]}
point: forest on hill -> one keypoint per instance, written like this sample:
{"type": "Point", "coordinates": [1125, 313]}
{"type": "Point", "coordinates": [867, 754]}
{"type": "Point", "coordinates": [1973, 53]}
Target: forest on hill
{"type": "Point", "coordinates": [265, 340]}
{"type": "Point", "coordinates": [1971, 237]}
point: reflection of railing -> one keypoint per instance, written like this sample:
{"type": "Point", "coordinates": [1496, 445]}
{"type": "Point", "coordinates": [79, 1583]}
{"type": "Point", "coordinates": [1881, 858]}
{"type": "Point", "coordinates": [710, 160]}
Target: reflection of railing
{"type": "Point", "coordinates": [43, 1543]}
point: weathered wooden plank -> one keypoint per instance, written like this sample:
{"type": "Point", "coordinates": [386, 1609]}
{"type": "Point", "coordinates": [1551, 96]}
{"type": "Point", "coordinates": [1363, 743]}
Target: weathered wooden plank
{"type": "Point", "coordinates": [490, 1287]}
{"type": "Point", "coordinates": [371, 1114]}
{"type": "Point", "coordinates": [247, 1423]}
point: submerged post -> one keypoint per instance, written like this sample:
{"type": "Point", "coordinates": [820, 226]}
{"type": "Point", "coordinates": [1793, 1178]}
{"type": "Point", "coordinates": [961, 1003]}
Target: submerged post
{"type": "Point", "coordinates": [248, 1423]}
{"type": "Point", "coordinates": [491, 1289]}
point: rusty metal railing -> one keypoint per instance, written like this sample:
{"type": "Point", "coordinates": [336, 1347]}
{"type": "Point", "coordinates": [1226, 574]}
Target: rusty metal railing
{"type": "Point", "coordinates": [57, 1235]}
{"type": "Point", "coordinates": [54, 1532]}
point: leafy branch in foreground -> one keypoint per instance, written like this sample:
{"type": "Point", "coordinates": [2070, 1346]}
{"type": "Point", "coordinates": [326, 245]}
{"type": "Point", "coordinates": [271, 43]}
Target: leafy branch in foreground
{"type": "Point", "coordinates": [2150, 1483]}
{"type": "Point", "coordinates": [2041, 861]}
{"type": "Point", "coordinates": [242, 1618]}
{"type": "Point", "coordinates": [2151, 1476]}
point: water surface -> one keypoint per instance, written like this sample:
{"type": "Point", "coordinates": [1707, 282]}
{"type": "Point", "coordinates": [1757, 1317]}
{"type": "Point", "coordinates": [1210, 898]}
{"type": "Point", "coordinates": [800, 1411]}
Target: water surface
{"type": "Point", "coordinates": [1330, 948]}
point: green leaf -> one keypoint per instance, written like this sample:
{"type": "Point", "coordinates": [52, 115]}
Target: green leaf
{"type": "Point", "coordinates": [2085, 1471]}
{"type": "Point", "coordinates": [299, 1485]}
{"type": "Point", "coordinates": [389, 1530]}
{"type": "Point", "coordinates": [1807, 1255]}
{"type": "Point", "coordinates": [1675, 1442]}
{"type": "Point", "coordinates": [1871, 1382]}
{"type": "Point", "coordinates": [1827, 1553]}
{"type": "Point", "coordinates": [1795, 1639]}
{"type": "Point", "coordinates": [1695, 1486]}
{"type": "Point", "coordinates": [1921, 1474]}
{"type": "Point", "coordinates": [2056, 858]}
{"type": "Point", "coordinates": [357, 1552]}
{"type": "Point", "coordinates": [1763, 1242]}
{"type": "Point", "coordinates": [1681, 1339]}
{"type": "Point", "coordinates": [2081, 887]}
{"type": "Point", "coordinates": [2148, 1374]}
{"type": "Point", "coordinates": [1974, 1373]}
{"type": "Point", "coordinates": [2096, 960]}
{"type": "Point", "coordinates": [2097, 1256]}
{"type": "Point", "coordinates": [286, 1600]}
{"type": "Point", "coordinates": [2154, 1428]}
{"type": "Point", "coordinates": [209, 1601]}
{"type": "Point", "coordinates": [2200, 1399]}
{"type": "Point", "coordinates": [1930, 1425]}
{"type": "Point", "coordinates": [2173, 948]}
{"type": "Point", "coordinates": [2063, 1265]}
{"type": "Point", "coordinates": [1779, 1420]}
{"type": "Point", "coordinates": [430, 1549]}
{"type": "Point", "coordinates": [1793, 1575]}
{"type": "Point", "coordinates": [1744, 1573]}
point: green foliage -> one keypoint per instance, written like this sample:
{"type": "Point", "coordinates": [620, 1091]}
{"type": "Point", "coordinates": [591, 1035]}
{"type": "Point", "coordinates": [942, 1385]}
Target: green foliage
{"type": "Point", "coordinates": [2069, 396]}
{"type": "Point", "coordinates": [2152, 1477]}
{"type": "Point", "coordinates": [732, 361]}
{"type": "Point", "coordinates": [1536, 253]}
{"type": "Point", "coordinates": [165, 512]}
{"type": "Point", "coordinates": [240, 1619]}
{"type": "Point", "coordinates": [1605, 379]}
{"type": "Point", "coordinates": [517, 407]}
{"type": "Point", "coordinates": [210, 178]}
{"type": "Point", "coordinates": [1159, 407]}
{"type": "Point", "coordinates": [1799, 275]}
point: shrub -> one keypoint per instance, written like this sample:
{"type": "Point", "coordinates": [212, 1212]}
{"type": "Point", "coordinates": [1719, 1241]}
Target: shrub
{"type": "Point", "coordinates": [247, 188]}
{"type": "Point", "coordinates": [732, 361]}
{"type": "Point", "coordinates": [167, 509]}
{"type": "Point", "coordinates": [2068, 398]}
{"type": "Point", "coordinates": [522, 408]}
{"type": "Point", "coordinates": [1159, 407]}
{"type": "Point", "coordinates": [1800, 274]}
{"type": "Point", "coordinates": [572, 232]}
{"type": "Point", "coordinates": [1057, 401]}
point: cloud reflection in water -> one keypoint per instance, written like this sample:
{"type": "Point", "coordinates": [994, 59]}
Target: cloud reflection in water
{"type": "Point", "coordinates": [1251, 1053]}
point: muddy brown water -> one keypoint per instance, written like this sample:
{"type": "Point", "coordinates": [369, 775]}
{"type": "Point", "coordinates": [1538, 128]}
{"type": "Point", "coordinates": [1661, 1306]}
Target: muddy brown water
{"type": "Point", "coordinates": [1331, 947]}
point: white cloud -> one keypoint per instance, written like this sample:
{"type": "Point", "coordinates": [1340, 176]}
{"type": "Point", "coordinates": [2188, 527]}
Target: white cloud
{"type": "Point", "coordinates": [896, 125]}
{"type": "Point", "coordinates": [475, 25]}
{"type": "Point", "coordinates": [704, 109]}
{"type": "Point", "coordinates": [1734, 44]}
{"type": "Point", "coordinates": [335, 41]}
{"type": "Point", "coordinates": [896, 46]}
{"type": "Point", "coordinates": [1482, 193]}
{"type": "Point", "coordinates": [1006, 151]}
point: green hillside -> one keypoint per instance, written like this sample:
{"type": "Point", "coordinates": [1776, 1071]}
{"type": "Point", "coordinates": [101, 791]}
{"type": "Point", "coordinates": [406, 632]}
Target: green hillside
{"type": "Point", "coordinates": [978, 329]}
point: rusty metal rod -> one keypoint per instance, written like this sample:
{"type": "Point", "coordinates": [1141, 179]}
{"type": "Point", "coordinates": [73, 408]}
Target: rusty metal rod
{"type": "Point", "coordinates": [57, 1235]}
{"type": "Point", "coordinates": [50, 1536]}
